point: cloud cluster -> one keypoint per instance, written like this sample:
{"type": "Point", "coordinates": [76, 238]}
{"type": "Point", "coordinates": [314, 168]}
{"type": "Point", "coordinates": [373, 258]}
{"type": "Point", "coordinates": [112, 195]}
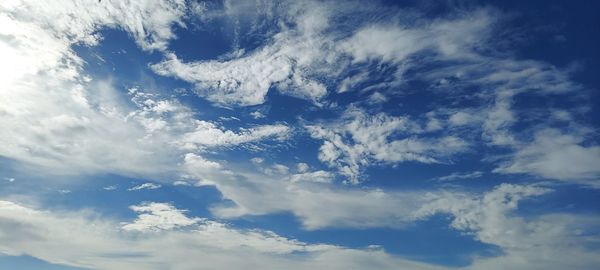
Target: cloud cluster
{"type": "Point", "coordinates": [168, 239]}
{"type": "Point", "coordinates": [453, 55]}
{"type": "Point", "coordinates": [550, 241]}
{"type": "Point", "coordinates": [359, 138]}
{"type": "Point", "coordinates": [57, 117]}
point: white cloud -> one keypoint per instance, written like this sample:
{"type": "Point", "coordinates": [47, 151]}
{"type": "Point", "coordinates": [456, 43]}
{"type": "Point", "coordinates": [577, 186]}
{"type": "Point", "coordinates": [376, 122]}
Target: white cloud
{"type": "Point", "coordinates": [51, 116]}
{"type": "Point", "coordinates": [207, 134]}
{"type": "Point", "coordinates": [164, 235]}
{"type": "Point", "coordinates": [461, 118]}
{"type": "Point", "coordinates": [302, 167]}
{"type": "Point", "coordinates": [377, 98]}
{"type": "Point", "coordinates": [358, 139]}
{"type": "Point", "coordinates": [556, 155]}
{"type": "Point", "coordinates": [149, 22]}
{"type": "Point", "coordinates": [110, 188]}
{"type": "Point", "coordinates": [548, 241]}
{"type": "Point", "coordinates": [145, 186]}
{"type": "Point", "coordinates": [83, 239]}
{"type": "Point", "coordinates": [460, 176]}
{"type": "Point", "coordinates": [316, 176]}
{"type": "Point", "coordinates": [58, 119]}
{"type": "Point", "coordinates": [155, 217]}
{"type": "Point", "coordinates": [300, 55]}
{"type": "Point", "coordinates": [181, 183]}
{"type": "Point", "coordinates": [257, 115]}
{"type": "Point", "coordinates": [450, 38]}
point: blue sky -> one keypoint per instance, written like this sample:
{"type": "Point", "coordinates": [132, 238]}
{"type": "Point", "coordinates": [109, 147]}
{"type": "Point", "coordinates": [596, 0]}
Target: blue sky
{"type": "Point", "coordinates": [178, 134]}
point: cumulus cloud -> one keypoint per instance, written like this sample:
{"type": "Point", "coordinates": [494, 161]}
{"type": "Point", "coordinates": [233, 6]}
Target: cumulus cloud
{"type": "Point", "coordinates": [50, 116]}
{"type": "Point", "coordinates": [358, 139]}
{"type": "Point", "coordinates": [157, 217]}
{"type": "Point", "coordinates": [207, 134]}
{"type": "Point", "coordinates": [57, 117]}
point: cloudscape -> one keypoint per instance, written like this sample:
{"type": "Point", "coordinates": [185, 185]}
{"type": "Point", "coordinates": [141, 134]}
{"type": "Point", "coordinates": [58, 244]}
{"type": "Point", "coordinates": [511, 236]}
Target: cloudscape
{"type": "Point", "coordinates": [189, 134]}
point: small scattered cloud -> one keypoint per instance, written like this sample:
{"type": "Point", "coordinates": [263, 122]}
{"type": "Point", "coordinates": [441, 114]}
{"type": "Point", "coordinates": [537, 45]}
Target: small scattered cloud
{"type": "Point", "coordinates": [110, 188]}
{"type": "Point", "coordinates": [181, 183]}
{"type": "Point", "coordinates": [145, 186]}
{"type": "Point", "coordinates": [154, 217]}
{"type": "Point", "coordinates": [257, 115]}
{"type": "Point", "coordinates": [9, 179]}
{"type": "Point", "coordinates": [460, 176]}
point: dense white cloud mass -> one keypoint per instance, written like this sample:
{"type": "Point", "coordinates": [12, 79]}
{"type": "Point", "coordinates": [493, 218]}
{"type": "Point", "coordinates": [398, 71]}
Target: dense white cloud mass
{"type": "Point", "coordinates": [57, 117]}
{"type": "Point", "coordinates": [70, 21]}
{"type": "Point", "coordinates": [50, 115]}
{"type": "Point", "coordinates": [157, 217]}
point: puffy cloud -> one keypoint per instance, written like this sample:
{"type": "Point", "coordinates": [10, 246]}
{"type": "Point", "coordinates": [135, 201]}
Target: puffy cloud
{"type": "Point", "coordinates": [298, 57]}
{"type": "Point", "coordinates": [547, 241]}
{"type": "Point", "coordinates": [157, 217]}
{"type": "Point", "coordinates": [556, 155]}
{"type": "Point", "coordinates": [302, 167]}
{"type": "Point", "coordinates": [306, 195]}
{"type": "Point", "coordinates": [358, 138]}
{"type": "Point", "coordinates": [164, 235]}
{"type": "Point", "coordinates": [207, 134]}
{"type": "Point", "coordinates": [50, 117]}
{"type": "Point", "coordinates": [56, 117]}
{"type": "Point", "coordinates": [460, 176]}
{"type": "Point", "coordinates": [149, 22]}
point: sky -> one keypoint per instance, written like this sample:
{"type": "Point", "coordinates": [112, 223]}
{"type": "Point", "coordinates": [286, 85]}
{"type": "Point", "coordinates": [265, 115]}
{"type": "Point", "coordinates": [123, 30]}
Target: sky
{"type": "Point", "coordinates": [188, 134]}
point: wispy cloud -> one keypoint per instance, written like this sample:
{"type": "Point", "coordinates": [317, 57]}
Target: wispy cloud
{"type": "Point", "coordinates": [145, 186]}
{"type": "Point", "coordinates": [460, 176]}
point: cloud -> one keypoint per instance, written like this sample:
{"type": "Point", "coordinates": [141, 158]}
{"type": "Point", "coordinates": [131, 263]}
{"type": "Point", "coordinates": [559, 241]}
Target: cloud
{"type": "Point", "coordinates": [169, 238]}
{"type": "Point", "coordinates": [460, 176]}
{"type": "Point", "coordinates": [257, 115]}
{"type": "Point", "coordinates": [298, 57]}
{"type": "Point", "coordinates": [145, 186]}
{"type": "Point", "coordinates": [207, 134]}
{"type": "Point", "coordinates": [148, 22]}
{"type": "Point", "coordinates": [54, 115]}
{"type": "Point", "coordinates": [556, 155]}
{"type": "Point", "coordinates": [358, 139]}
{"type": "Point", "coordinates": [157, 217]}
{"type": "Point", "coordinates": [9, 179]}
{"type": "Point", "coordinates": [302, 167]}
{"type": "Point", "coordinates": [110, 188]}
{"type": "Point", "coordinates": [547, 241]}
{"type": "Point", "coordinates": [164, 235]}
{"type": "Point", "coordinates": [59, 119]}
